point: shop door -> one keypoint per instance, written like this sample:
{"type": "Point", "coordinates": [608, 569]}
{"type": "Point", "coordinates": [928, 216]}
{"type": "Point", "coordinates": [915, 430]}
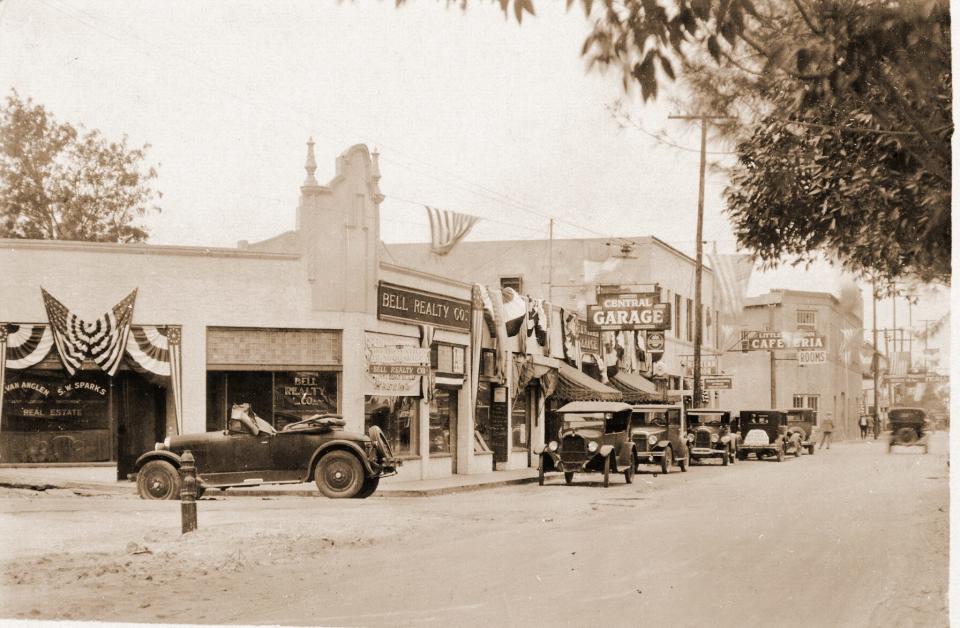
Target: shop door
{"type": "Point", "coordinates": [454, 402]}
{"type": "Point", "coordinates": [141, 419]}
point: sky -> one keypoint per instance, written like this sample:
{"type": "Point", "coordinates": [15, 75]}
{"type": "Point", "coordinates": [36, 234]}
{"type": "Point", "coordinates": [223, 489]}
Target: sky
{"type": "Point", "coordinates": [469, 110]}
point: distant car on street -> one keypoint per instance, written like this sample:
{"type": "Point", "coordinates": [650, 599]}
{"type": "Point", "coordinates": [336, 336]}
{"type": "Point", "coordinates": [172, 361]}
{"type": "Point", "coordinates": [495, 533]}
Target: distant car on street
{"type": "Point", "coordinates": [765, 433]}
{"type": "Point", "coordinates": [658, 432]}
{"type": "Point", "coordinates": [251, 452]}
{"type": "Point", "coordinates": [908, 427]}
{"type": "Point", "coordinates": [593, 438]}
{"type": "Point", "coordinates": [710, 435]}
{"type": "Point", "coordinates": [803, 422]}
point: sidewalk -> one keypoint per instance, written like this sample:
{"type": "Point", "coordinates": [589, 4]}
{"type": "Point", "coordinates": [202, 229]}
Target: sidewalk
{"type": "Point", "coordinates": [103, 479]}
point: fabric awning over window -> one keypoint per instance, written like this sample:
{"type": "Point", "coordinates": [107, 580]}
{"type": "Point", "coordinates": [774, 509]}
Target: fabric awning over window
{"type": "Point", "coordinates": [574, 385]}
{"type": "Point", "coordinates": [635, 387]}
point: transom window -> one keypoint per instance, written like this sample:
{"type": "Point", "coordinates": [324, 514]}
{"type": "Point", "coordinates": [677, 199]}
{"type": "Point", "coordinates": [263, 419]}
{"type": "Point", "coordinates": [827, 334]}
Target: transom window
{"type": "Point", "coordinates": [806, 318]}
{"type": "Point", "coordinates": [512, 282]}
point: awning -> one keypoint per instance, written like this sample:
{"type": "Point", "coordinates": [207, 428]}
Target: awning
{"type": "Point", "coordinates": [635, 387]}
{"type": "Point", "coordinates": [574, 385]}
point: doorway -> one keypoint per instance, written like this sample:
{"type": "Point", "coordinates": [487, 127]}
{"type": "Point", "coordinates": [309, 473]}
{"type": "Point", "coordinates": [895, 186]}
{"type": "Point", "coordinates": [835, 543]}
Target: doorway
{"type": "Point", "coordinates": [141, 418]}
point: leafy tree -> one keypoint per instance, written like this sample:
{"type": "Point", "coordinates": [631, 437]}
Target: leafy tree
{"type": "Point", "coordinates": [58, 183]}
{"type": "Point", "coordinates": [843, 116]}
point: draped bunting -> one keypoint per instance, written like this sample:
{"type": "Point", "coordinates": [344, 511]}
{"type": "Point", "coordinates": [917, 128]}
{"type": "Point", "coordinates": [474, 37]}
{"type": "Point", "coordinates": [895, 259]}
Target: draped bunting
{"type": "Point", "coordinates": [102, 340]}
{"type": "Point", "coordinates": [26, 345]}
{"type": "Point", "coordinates": [476, 339]}
{"type": "Point", "coordinates": [149, 349]}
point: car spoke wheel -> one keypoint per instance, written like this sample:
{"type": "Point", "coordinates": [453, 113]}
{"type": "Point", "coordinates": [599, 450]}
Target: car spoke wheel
{"type": "Point", "coordinates": [339, 474]}
{"type": "Point", "coordinates": [810, 450]}
{"type": "Point", "coordinates": [158, 479]}
{"type": "Point", "coordinates": [666, 460]}
{"type": "Point", "coordinates": [369, 487]}
{"type": "Point", "coordinates": [733, 456]}
{"type": "Point", "coordinates": [630, 471]}
{"type": "Point", "coordinates": [780, 453]}
{"type": "Point", "coordinates": [684, 463]}
{"type": "Point", "coordinates": [540, 473]}
{"type": "Point", "coordinates": [796, 450]}
{"type": "Point", "coordinates": [606, 471]}
{"type": "Point", "coordinates": [726, 457]}
{"type": "Point", "coordinates": [568, 477]}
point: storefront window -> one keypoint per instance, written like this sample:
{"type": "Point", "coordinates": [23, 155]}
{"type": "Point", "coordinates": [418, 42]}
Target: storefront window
{"type": "Point", "coordinates": [443, 415]}
{"type": "Point", "coordinates": [482, 417]}
{"type": "Point", "coordinates": [518, 419]}
{"type": "Point", "coordinates": [278, 397]}
{"type": "Point", "coordinates": [49, 416]}
{"type": "Point", "coordinates": [399, 418]}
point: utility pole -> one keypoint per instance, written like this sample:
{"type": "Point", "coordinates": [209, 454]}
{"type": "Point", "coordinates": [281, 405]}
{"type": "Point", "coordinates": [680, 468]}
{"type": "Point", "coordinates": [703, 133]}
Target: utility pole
{"type": "Point", "coordinates": [698, 313]}
{"type": "Point", "coordinates": [773, 362]}
{"type": "Point", "coordinates": [875, 363]}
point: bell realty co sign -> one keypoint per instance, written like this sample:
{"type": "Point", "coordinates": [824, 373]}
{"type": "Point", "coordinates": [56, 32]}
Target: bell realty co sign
{"type": "Point", "coordinates": [630, 311]}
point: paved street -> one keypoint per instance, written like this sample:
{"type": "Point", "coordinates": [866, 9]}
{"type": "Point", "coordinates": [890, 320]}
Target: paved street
{"type": "Point", "coordinates": [848, 537]}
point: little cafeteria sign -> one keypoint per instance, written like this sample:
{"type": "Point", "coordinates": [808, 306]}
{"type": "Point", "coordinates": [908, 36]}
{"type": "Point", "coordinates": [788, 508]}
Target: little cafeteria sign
{"type": "Point", "coordinates": [617, 312]}
{"type": "Point", "coordinates": [406, 305]}
{"type": "Point", "coordinates": [770, 340]}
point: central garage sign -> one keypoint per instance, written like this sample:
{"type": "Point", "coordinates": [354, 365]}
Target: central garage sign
{"type": "Point", "coordinates": [621, 312]}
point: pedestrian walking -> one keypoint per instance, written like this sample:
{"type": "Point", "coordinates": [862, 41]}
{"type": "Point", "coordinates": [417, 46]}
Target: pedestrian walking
{"type": "Point", "coordinates": [826, 428]}
{"type": "Point", "coordinates": [863, 426]}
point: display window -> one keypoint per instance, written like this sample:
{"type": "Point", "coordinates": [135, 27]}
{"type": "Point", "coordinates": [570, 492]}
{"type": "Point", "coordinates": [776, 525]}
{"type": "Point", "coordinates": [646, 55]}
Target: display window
{"type": "Point", "coordinates": [520, 420]}
{"type": "Point", "coordinates": [483, 436]}
{"type": "Point", "coordinates": [399, 418]}
{"type": "Point", "coordinates": [49, 416]}
{"type": "Point", "coordinates": [443, 415]}
{"type": "Point", "coordinates": [278, 397]}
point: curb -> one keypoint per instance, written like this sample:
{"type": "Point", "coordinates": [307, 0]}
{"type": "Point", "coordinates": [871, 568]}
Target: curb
{"type": "Point", "coordinates": [426, 492]}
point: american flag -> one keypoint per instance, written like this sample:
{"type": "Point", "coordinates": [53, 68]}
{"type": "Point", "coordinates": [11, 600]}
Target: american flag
{"type": "Point", "coordinates": [103, 340]}
{"type": "Point", "coordinates": [447, 228]}
{"type": "Point", "coordinates": [732, 273]}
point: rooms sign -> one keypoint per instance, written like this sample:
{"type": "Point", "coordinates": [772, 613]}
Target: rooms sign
{"type": "Point", "coordinates": [629, 311]}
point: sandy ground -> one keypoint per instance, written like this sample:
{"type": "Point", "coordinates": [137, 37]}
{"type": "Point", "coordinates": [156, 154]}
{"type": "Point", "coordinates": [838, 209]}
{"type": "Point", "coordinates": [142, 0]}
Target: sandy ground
{"type": "Point", "coordinates": [848, 537]}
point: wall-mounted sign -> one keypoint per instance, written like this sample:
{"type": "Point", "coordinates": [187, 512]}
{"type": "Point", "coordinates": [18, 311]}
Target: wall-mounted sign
{"type": "Point", "coordinates": [304, 393]}
{"type": "Point", "coordinates": [632, 311]}
{"type": "Point", "coordinates": [771, 340]}
{"type": "Point", "coordinates": [394, 365]}
{"type": "Point", "coordinates": [589, 340]}
{"type": "Point", "coordinates": [717, 383]}
{"type": "Point", "coordinates": [408, 305]}
{"type": "Point", "coordinates": [806, 358]}
{"type": "Point", "coordinates": [655, 341]}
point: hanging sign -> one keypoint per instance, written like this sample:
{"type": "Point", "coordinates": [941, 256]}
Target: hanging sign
{"type": "Point", "coordinates": [771, 340]}
{"type": "Point", "coordinates": [717, 383]}
{"type": "Point", "coordinates": [395, 365]}
{"type": "Point", "coordinates": [628, 311]}
{"type": "Point", "coordinates": [806, 358]}
{"type": "Point", "coordinates": [407, 305]}
{"type": "Point", "coordinates": [656, 341]}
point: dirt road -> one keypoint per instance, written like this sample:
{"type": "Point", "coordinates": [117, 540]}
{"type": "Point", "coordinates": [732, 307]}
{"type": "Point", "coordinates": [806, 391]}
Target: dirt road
{"type": "Point", "coordinates": [849, 537]}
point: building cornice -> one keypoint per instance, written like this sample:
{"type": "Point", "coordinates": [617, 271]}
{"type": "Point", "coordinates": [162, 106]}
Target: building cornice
{"type": "Point", "coordinates": [13, 244]}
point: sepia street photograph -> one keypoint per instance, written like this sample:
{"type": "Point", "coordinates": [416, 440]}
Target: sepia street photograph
{"type": "Point", "coordinates": [476, 313]}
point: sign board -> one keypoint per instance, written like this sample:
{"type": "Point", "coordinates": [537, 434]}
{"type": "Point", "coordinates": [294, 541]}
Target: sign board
{"type": "Point", "coordinates": [394, 365]}
{"type": "Point", "coordinates": [805, 358]}
{"type": "Point", "coordinates": [619, 312]}
{"type": "Point", "coordinates": [408, 305]}
{"type": "Point", "coordinates": [589, 340]}
{"type": "Point", "coordinates": [717, 383]}
{"type": "Point", "coordinates": [771, 340]}
{"type": "Point", "coordinates": [655, 341]}
{"type": "Point", "coordinates": [499, 425]}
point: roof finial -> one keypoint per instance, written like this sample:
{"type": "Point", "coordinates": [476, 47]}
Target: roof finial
{"type": "Point", "coordinates": [311, 165]}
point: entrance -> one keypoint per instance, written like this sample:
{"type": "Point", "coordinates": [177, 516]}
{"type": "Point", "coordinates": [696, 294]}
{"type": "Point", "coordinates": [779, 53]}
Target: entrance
{"type": "Point", "coordinates": [141, 418]}
{"type": "Point", "coordinates": [443, 424]}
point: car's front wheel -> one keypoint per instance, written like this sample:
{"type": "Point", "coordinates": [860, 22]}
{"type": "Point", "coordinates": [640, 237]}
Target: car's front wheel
{"type": "Point", "coordinates": [568, 477]}
{"type": "Point", "coordinates": [733, 456]}
{"type": "Point", "coordinates": [158, 479]}
{"type": "Point", "coordinates": [780, 453]}
{"type": "Point", "coordinates": [666, 461]}
{"type": "Point", "coordinates": [369, 487]}
{"type": "Point", "coordinates": [726, 457]}
{"type": "Point", "coordinates": [339, 474]}
{"type": "Point", "coordinates": [630, 471]}
{"type": "Point", "coordinates": [540, 473]}
{"type": "Point", "coordinates": [606, 470]}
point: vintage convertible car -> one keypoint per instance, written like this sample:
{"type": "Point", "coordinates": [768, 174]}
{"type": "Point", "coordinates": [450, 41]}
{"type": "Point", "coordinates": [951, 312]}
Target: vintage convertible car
{"type": "Point", "coordinates": [765, 432]}
{"type": "Point", "coordinates": [711, 435]}
{"type": "Point", "coordinates": [250, 452]}
{"type": "Point", "coordinates": [908, 427]}
{"type": "Point", "coordinates": [593, 437]}
{"type": "Point", "coordinates": [659, 433]}
{"type": "Point", "coordinates": [803, 422]}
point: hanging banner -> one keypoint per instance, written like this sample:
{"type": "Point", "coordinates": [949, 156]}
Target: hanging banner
{"type": "Point", "coordinates": [395, 365]}
{"type": "Point", "coordinates": [26, 345]}
{"type": "Point", "coordinates": [103, 340]}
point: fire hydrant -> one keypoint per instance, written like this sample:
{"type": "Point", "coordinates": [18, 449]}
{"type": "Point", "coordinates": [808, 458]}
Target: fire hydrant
{"type": "Point", "coordinates": [188, 493]}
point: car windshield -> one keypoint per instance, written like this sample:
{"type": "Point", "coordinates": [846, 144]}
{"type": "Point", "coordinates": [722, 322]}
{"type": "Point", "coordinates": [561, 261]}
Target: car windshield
{"type": "Point", "coordinates": [760, 419]}
{"type": "Point", "coordinates": [906, 415]}
{"type": "Point", "coordinates": [588, 424]}
{"type": "Point", "coordinates": [713, 420]}
{"type": "Point", "coordinates": [656, 418]}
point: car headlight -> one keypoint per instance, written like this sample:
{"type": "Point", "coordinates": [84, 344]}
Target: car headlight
{"type": "Point", "coordinates": [690, 436]}
{"type": "Point", "coordinates": [553, 446]}
{"type": "Point", "coordinates": [592, 446]}
{"type": "Point", "coordinates": [652, 440]}
{"type": "Point", "coordinates": [714, 438]}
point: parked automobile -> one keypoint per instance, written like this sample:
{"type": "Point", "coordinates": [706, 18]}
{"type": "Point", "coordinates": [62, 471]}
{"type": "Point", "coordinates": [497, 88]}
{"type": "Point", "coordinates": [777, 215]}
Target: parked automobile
{"type": "Point", "coordinates": [593, 438]}
{"type": "Point", "coordinates": [710, 435]}
{"type": "Point", "coordinates": [658, 432]}
{"type": "Point", "coordinates": [909, 427]}
{"type": "Point", "coordinates": [803, 422]}
{"type": "Point", "coordinates": [251, 452]}
{"type": "Point", "coordinates": [765, 433]}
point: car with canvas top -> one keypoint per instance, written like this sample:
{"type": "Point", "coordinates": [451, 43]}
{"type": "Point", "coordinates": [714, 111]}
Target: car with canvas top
{"type": "Point", "coordinates": [658, 431]}
{"type": "Point", "coordinates": [765, 434]}
{"type": "Point", "coordinates": [710, 435]}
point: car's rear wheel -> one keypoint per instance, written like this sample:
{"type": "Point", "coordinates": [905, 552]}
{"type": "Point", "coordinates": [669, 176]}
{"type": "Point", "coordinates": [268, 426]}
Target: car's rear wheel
{"type": "Point", "coordinates": [369, 487]}
{"type": "Point", "coordinates": [158, 479]}
{"type": "Point", "coordinates": [568, 477]}
{"type": "Point", "coordinates": [810, 450]}
{"type": "Point", "coordinates": [339, 474]}
{"type": "Point", "coordinates": [759, 455]}
{"type": "Point", "coordinates": [606, 470]}
{"type": "Point", "coordinates": [666, 461]}
{"type": "Point", "coordinates": [906, 436]}
{"type": "Point", "coordinates": [796, 450]}
{"type": "Point", "coordinates": [684, 463]}
{"type": "Point", "coordinates": [780, 453]}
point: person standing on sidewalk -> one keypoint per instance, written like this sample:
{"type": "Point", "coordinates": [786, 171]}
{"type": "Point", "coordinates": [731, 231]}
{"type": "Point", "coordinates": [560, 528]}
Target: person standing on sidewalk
{"type": "Point", "coordinates": [863, 426]}
{"type": "Point", "coordinates": [826, 428]}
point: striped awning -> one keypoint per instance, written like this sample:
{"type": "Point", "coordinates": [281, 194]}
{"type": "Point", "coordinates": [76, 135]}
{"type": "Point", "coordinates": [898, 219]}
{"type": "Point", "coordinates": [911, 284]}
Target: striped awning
{"type": "Point", "coordinates": [573, 385]}
{"type": "Point", "coordinates": [635, 387]}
